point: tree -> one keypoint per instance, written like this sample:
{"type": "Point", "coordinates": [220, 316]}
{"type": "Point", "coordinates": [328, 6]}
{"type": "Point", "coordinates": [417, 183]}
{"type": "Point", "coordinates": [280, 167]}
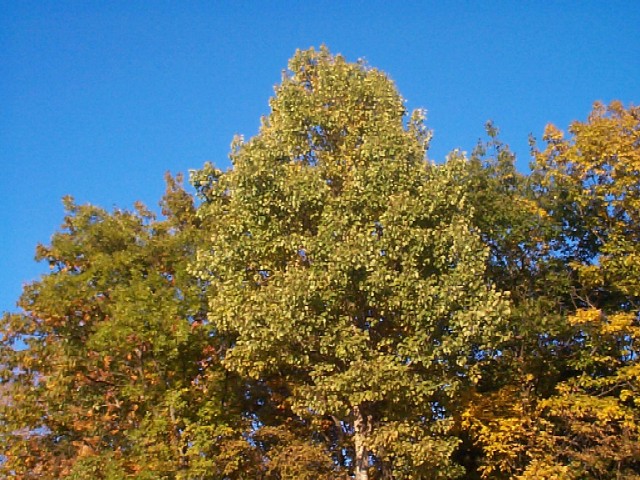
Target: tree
{"type": "Point", "coordinates": [112, 370]}
{"type": "Point", "coordinates": [571, 411]}
{"type": "Point", "coordinates": [346, 266]}
{"type": "Point", "coordinates": [113, 340]}
{"type": "Point", "coordinates": [337, 306]}
{"type": "Point", "coordinates": [525, 259]}
{"type": "Point", "coordinates": [592, 182]}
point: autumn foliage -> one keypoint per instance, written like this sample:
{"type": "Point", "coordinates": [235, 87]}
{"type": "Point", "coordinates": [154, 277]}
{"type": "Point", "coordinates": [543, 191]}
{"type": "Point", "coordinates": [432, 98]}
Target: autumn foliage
{"type": "Point", "coordinates": [338, 306]}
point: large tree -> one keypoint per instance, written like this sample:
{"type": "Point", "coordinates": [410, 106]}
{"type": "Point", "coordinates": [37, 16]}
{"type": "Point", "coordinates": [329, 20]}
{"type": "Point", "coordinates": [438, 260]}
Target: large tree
{"type": "Point", "coordinates": [345, 265]}
{"type": "Point", "coordinates": [112, 371]}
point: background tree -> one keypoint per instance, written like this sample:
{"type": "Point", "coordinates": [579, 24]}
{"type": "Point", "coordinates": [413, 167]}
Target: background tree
{"type": "Point", "coordinates": [593, 420]}
{"type": "Point", "coordinates": [571, 412]}
{"type": "Point", "coordinates": [113, 344]}
{"type": "Point", "coordinates": [112, 371]}
{"type": "Point", "coordinates": [527, 259]}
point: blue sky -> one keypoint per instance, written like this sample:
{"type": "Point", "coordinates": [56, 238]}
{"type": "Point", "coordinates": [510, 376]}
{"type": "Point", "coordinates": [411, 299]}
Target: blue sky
{"type": "Point", "coordinates": [99, 99]}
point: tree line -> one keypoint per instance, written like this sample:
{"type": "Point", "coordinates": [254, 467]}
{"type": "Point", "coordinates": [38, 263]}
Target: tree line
{"type": "Point", "coordinates": [336, 305]}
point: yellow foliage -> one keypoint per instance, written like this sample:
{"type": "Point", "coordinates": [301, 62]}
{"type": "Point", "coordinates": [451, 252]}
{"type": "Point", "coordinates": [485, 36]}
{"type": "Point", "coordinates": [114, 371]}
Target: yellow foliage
{"type": "Point", "coordinates": [501, 423]}
{"type": "Point", "coordinates": [585, 316]}
{"type": "Point", "coordinates": [620, 323]}
{"type": "Point", "coordinates": [541, 470]}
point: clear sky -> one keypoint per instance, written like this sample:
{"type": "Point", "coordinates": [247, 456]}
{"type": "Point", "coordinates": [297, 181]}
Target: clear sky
{"type": "Point", "coordinates": [99, 99]}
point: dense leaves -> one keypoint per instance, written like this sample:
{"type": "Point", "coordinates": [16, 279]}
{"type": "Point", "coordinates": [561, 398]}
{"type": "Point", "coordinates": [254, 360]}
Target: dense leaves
{"type": "Point", "coordinates": [569, 408]}
{"type": "Point", "coordinates": [342, 261]}
{"type": "Point", "coordinates": [109, 347]}
{"type": "Point", "coordinates": [337, 306]}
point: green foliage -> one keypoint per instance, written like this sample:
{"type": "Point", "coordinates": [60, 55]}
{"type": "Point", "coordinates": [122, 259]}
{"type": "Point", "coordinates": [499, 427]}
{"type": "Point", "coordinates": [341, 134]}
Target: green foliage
{"type": "Point", "coordinates": [568, 408]}
{"type": "Point", "coordinates": [342, 261]}
{"type": "Point", "coordinates": [336, 306]}
{"type": "Point", "coordinates": [113, 340]}
{"type": "Point", "coordinates": [593, 418]}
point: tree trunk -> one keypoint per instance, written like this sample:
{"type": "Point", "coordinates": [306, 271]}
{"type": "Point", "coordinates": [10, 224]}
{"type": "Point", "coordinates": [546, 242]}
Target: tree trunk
{"type": "Point", "coordinates": [361, 460]}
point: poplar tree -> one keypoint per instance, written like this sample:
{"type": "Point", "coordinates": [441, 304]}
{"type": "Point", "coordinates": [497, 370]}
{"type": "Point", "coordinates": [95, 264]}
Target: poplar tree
{"type": "Point", "coordinates": [344, 264]}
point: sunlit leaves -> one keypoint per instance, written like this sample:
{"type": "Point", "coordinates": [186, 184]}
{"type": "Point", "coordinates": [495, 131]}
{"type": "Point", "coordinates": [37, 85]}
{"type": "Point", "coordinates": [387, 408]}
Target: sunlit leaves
{"type": "Point", "coordinates": [341, 260]}
{"type": "Point", "coordinates": [338, 307]}
{"type": "Point", "coordinates": [109, 335]}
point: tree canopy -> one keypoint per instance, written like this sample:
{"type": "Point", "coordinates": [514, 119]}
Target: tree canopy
{"type": "Point", "coordinates": [337, 305]}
